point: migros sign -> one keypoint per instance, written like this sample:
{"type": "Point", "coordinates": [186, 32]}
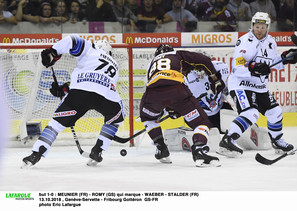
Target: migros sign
{"type": "Point", "coordinates": [152, 39]}
{"type": "Point", "coordinates": [209, 38]}
{"type": "Point", "coordinates": [212, 38]}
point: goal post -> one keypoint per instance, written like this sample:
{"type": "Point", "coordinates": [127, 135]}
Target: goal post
{"type": "Point", "coordinates": [26, 84]}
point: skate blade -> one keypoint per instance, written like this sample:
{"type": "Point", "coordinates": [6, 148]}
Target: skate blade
{"type": "Point", "coordinates": [213, 163]}
{"type": "Point", "coordinates": [92, 163]}
{"type": "Point", "coordinates": [228, 153]}
{"type": "Point", "coordinates": [165, 160]}
{"type": "Point", "coordinates": [281, 152]}
{"type": "Point", "coordinates": [26, 165]}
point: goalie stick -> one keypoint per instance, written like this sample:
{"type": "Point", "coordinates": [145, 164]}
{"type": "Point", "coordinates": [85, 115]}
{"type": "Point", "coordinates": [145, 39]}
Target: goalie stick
{"type": "Point", "coordinates": [266, 161]}
{"type": "Point", "coordinates": [125, 140]}
{"type": "Point", "coordinates": [81, 151]}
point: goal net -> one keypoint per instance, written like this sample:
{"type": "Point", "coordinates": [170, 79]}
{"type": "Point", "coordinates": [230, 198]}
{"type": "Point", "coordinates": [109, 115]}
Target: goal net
{"type": "Point", "coordinates": [26, 84]}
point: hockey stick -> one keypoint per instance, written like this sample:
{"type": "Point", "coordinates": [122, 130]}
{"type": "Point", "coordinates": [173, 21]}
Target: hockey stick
{"type": "Point", "coordinates": [266, 161]}
{"type": "Point", "coordinates": [83, 153]}
{"type": "Point", "coordinates": [125, 140]}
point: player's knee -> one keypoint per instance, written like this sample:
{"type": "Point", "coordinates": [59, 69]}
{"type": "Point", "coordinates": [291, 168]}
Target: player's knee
{"type": "Point", "coordinates": [251, 114]}
{"type": "Point", "coordinates": [56, 125]}
{"type": "Point", "coordinates": [274, 115]}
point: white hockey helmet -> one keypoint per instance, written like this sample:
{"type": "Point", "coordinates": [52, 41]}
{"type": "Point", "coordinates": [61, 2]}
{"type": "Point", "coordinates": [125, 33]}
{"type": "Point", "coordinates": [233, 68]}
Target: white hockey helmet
{"type": "Point", "coordinates": [261, 17]}
{"type": "Point", "coordinates": [104, 45]}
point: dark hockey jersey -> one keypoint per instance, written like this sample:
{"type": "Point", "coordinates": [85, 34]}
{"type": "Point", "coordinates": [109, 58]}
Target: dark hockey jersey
{"type": "Point", "coordinates": [171, 67]}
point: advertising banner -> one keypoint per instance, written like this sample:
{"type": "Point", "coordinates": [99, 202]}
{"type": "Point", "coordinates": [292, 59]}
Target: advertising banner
{"type": "Point", "coordinates": [209, 39]}
{"type": "Point", "coordinates": [111, 38]}
{"type": "Point", "coordinates": [281, 38]}
{"type": "Point", "coordinates": [30, 38]}
{"type": "Point", "coordinates": [152, 39]}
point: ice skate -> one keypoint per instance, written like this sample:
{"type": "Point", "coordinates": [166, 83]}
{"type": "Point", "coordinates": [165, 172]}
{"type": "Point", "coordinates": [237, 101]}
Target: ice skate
{"type": "Point", "coordinates": [162, 153]}
{"type": "Point", "coordinates": [201, 159]}
{"type": "Point", "coordinates": [229, 148]}
{"type": "Point", "coordinates": [32, 159]}
{"type": "Point", "coordinates": [95, 156]}
{"type": "Point", "coordinates": [280, 145]}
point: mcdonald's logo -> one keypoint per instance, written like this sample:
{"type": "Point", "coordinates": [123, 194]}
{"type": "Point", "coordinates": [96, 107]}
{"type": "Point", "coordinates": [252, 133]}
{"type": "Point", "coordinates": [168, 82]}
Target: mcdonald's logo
{"type": "Point", "coordinates": [129, 40]}
{"type": "Point", "coordinates": [6, 40]}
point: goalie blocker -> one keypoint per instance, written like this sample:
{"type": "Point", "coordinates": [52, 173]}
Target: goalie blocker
{"type": "Point", "coordinates": [255, 138]}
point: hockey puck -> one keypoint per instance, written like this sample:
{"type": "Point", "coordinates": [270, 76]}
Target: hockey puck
{"type": "Point", "coordinates": [123, 152]}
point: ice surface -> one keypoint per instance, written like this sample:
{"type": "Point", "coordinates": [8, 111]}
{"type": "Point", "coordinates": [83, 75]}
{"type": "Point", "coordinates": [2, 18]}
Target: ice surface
{"type": "Point", "coordinates": [64, 169]}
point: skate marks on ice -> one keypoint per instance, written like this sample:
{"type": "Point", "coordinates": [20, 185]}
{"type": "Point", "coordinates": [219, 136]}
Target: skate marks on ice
{"type": "Point", "coordinates": [65, 169]}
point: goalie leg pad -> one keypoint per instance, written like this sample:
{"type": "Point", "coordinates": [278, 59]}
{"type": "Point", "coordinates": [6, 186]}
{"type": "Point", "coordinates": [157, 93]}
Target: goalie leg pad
{"type": "Point", "coordinates": [255, 138]}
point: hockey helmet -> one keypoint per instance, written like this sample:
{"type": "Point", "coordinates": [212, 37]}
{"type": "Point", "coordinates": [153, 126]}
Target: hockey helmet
{"type": "Point", "coordinates": [261, 17]}
{"type": "Point", "coordinates": [163, 48]}
{"type": "Point", "coordinates": [103, 45]}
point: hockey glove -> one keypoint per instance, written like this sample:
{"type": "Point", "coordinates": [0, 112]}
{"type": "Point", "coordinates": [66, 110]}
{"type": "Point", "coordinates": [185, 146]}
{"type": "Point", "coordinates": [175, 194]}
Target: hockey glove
{"type": "Point", "coordinates": [216, 83]}
{"type": "Point", "coordinates": [59, 91]}
{"type": "Point", "coordinates": [292, 53]}
{"type": "Point", "coordinates": [49, 57]}
{"type": "Point", "coordinates": [172, 114]}
{"type": "Point", "coordinates": [258, 69]}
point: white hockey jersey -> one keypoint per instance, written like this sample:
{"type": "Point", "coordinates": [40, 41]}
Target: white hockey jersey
{"type": "Point", "coordinates": [249, 48]}
{"type": "Point", "coordinates": [199, 84]}
{"type": "Point", "coordinates": [95, 71]}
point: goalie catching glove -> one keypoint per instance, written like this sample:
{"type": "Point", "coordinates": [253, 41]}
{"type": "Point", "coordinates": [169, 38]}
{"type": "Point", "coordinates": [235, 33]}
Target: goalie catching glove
{"type": "Point", "coordinates": [49, 57]}
{"type": "Point", "coordinates": [258, 69]}
{"type": "Point", "coordinates": [292, 54]}
{"type": "Point", "coordinates": [217, 84]}
{"type": "Point", "coordinates": [59, 91]}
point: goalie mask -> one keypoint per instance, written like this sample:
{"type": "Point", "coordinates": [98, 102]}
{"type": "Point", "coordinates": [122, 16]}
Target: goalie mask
{"type": "Point", "coordinates": [103, 45]}
{"type": "Point", "coordinates": [163, 48]}
{"type": "Point", "coordinates": [261, 17]}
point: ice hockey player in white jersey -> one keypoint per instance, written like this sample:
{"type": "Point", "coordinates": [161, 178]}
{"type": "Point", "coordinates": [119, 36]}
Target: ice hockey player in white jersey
{"type": "Point", "coordinates": [93, 86]}
{"type": "Point", "coordinates": [253, 54]}
{"type": "Point", "coordinates": [212, 103]}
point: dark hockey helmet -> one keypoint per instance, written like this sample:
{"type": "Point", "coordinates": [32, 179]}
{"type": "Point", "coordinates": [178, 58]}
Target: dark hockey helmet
{"type": "Point", "coordinates": [163, 48]}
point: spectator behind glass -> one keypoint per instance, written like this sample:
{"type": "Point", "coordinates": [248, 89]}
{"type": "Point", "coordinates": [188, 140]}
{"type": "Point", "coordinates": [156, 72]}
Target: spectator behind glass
{"type": "Point", "coordinates": [219, 12]}
{"type": "Point", "coordinates": [20, 16]}
{"type": "Point", "coordinates": [45, 13]}
{"type": "Point", "coordinates": [132, 5]}
{"type": "Point", "coordinates": [61, 13]}
{"type": "Point", "coordinates": [6, 16]}
{"type": "Point", "coordinates": [264, 6]}
{"type": "Point", "coordinates": [184, 17]}
{"type": "Point", "coordinates": [193, 5]}
{"type": "Point", "coordinates": [124, 15]}
{"type": "Point", "coordinates": [100, 10]}
{"type": "Point", "coordinates": [149, 16]}
{"type": "Point", "coordinates": [30, 10]}
{"type": "Point", "coordinates": [76, 14]}
{"type": "Point", "coordinates": [240, 9]}
{"type": "Point", "coordinates": [166, 5]}
{"type": "Point", "coordinates": [285, 18]}
{"type": "Point", "coordinates": [203, 7]}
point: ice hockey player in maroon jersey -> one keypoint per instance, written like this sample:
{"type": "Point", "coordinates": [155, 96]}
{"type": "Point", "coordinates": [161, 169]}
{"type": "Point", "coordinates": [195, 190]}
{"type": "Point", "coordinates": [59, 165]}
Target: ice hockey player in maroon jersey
{"type": "Point", "coordinates": [166, 90]}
